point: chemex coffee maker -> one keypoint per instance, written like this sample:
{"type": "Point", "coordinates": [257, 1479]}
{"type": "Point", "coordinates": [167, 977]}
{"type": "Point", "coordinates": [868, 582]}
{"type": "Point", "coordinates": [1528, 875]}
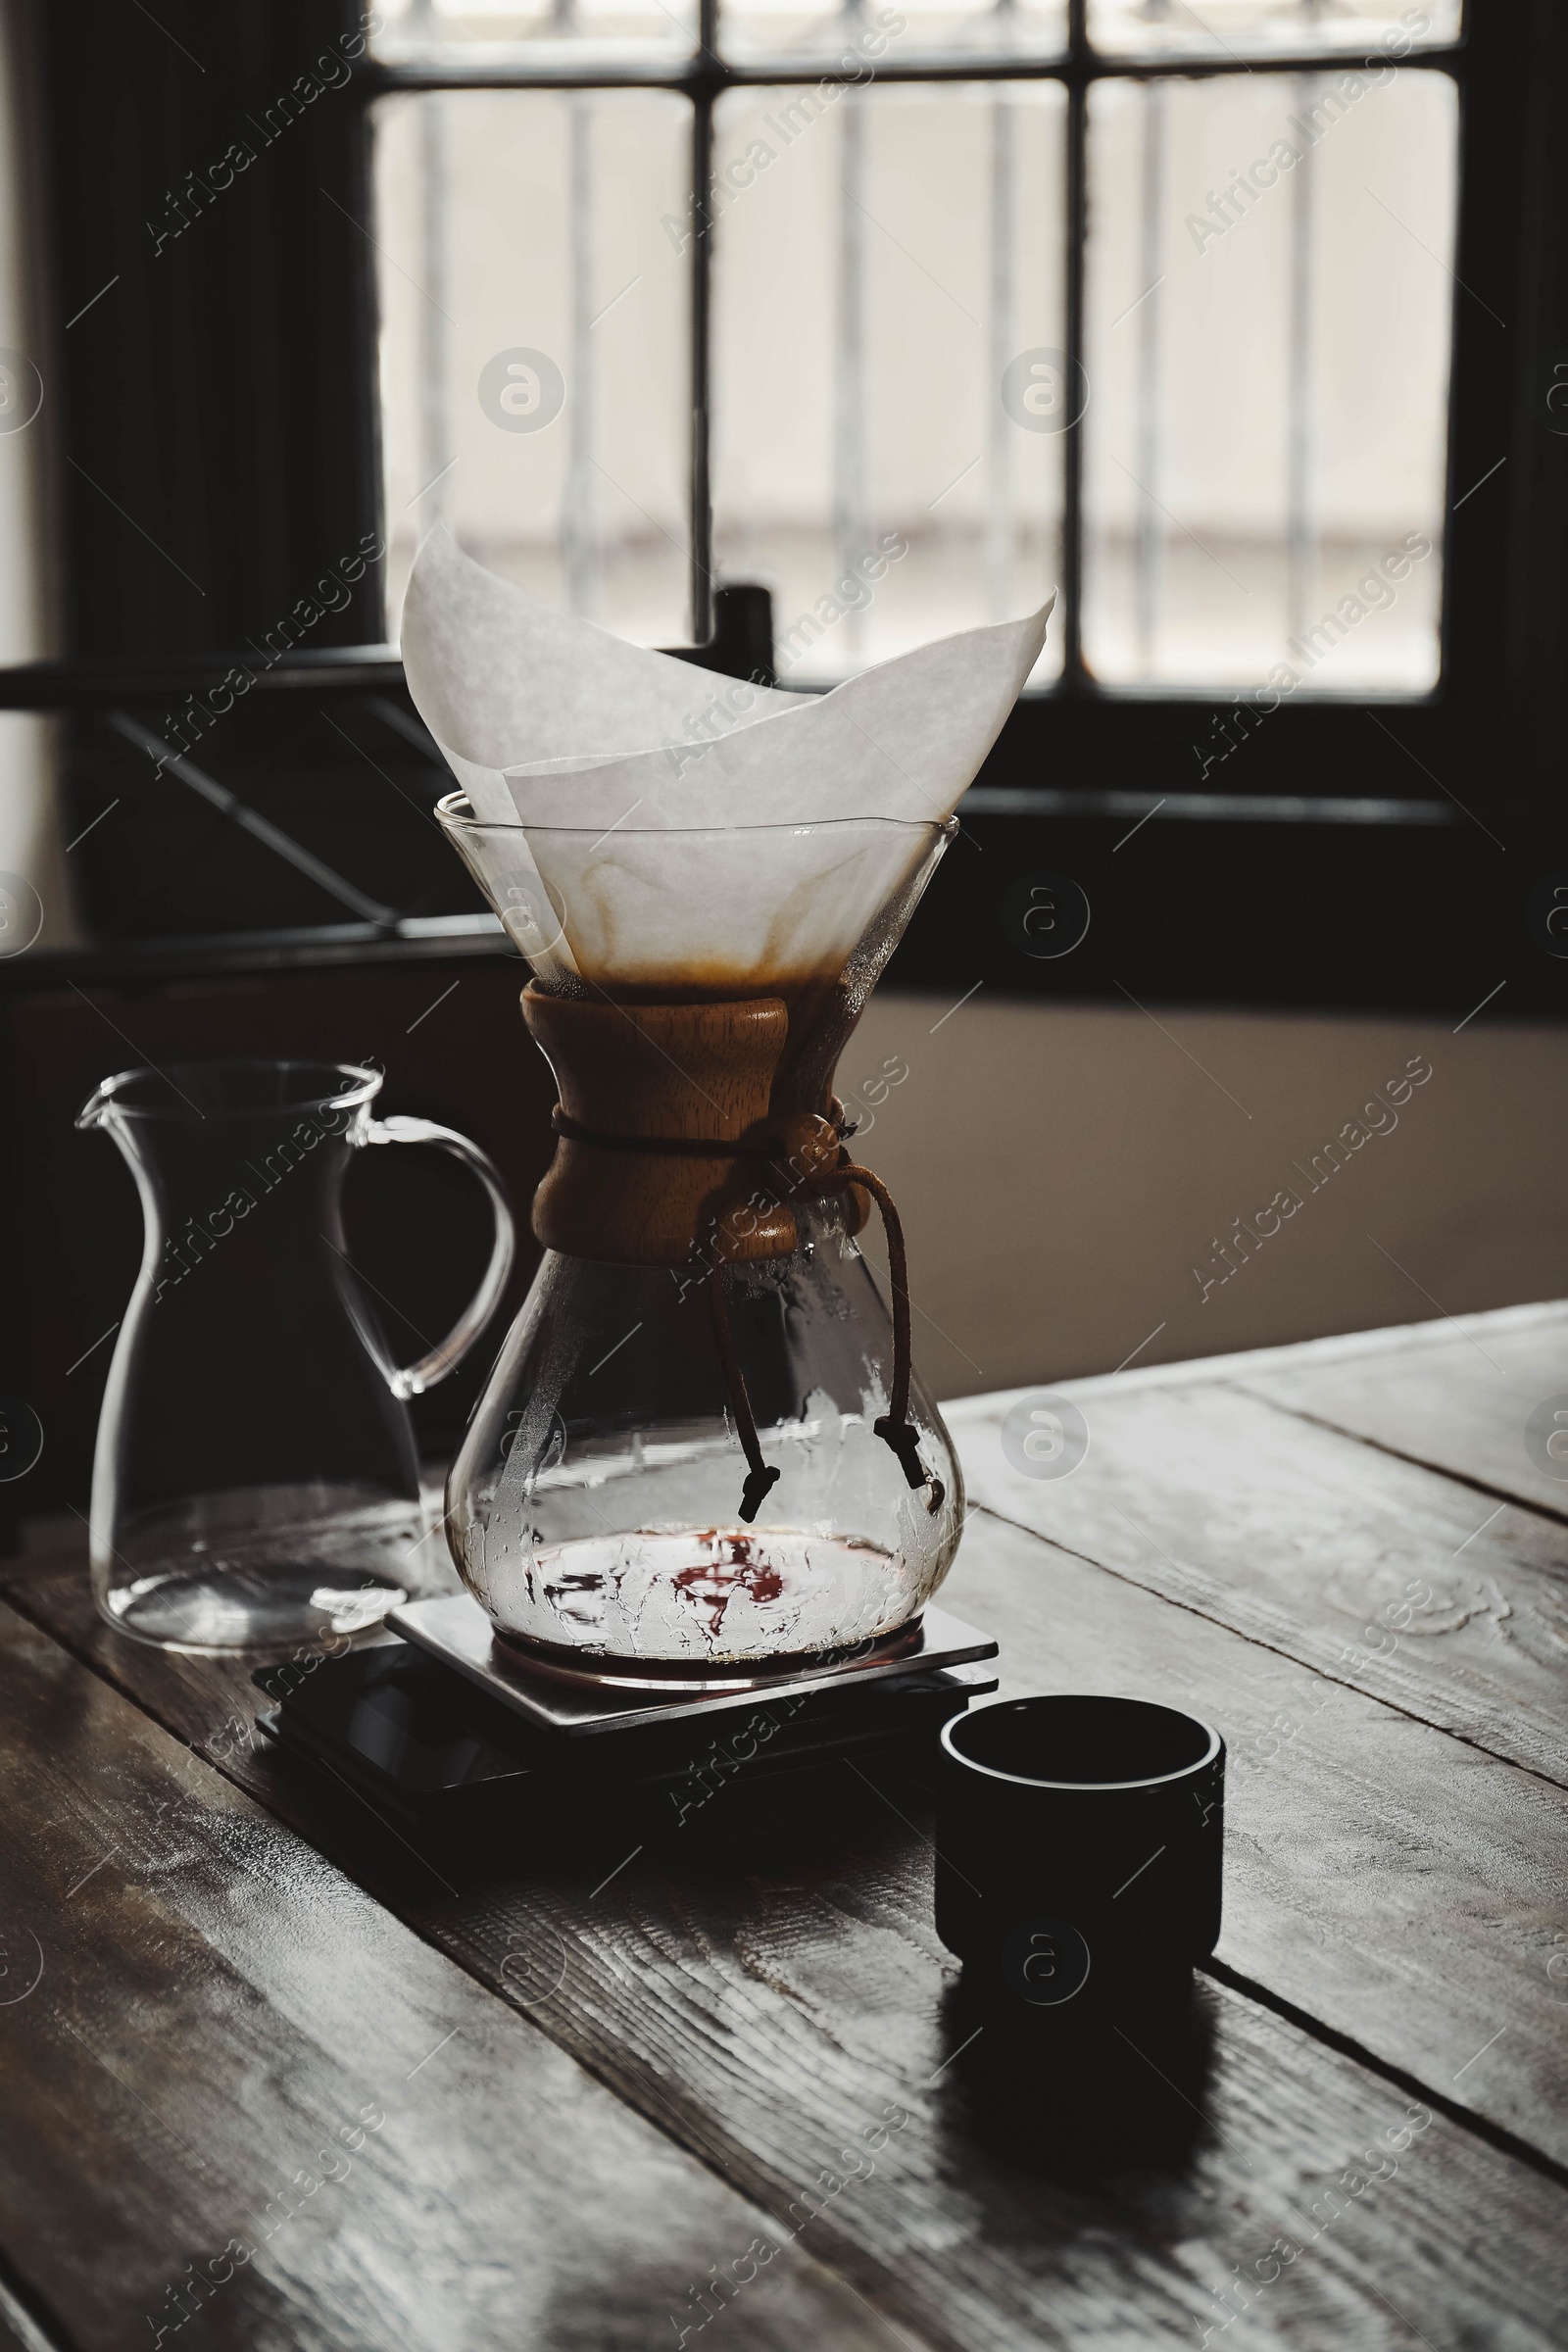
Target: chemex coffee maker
{"type": "Point", "coordinates": [703, 1476]}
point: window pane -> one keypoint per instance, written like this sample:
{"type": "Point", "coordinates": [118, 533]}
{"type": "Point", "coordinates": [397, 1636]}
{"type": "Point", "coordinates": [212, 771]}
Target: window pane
{"type": "Point", "coordinates": [881, 263]}
{"type": "Point", "coordinates": [535, 371]}
{"type": "Point", "coordinates": [554, 33]}
{"type": "Point", "coordinates": [1268, 356]}
{"type": "Point", "coordinates": [822, 32]}
{"type": "Point", "coordinates": [1268, 28]}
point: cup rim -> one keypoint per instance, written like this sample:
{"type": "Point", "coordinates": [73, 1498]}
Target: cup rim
{"type": "Point", "coordinates": [363, 1085]}
{"type": "Point", "coordinates": [464, 821]}
{"type": "Point", "coordinates": [1027, 1779]}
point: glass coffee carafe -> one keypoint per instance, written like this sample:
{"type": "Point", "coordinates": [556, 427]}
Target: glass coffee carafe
{"type": "Point", "coordinates": [702, 1451]}
{"type": "Point", "coordinates": [256, 1482]}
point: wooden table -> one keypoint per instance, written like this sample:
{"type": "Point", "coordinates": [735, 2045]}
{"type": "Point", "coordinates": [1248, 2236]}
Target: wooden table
{"type": "Point", "coordinates": [372, 2096]}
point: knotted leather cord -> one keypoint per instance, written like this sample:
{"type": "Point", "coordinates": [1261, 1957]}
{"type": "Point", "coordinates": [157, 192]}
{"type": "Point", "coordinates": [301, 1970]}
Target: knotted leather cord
{"type": "Point", "coordinates": [760, 1477]}
{"type": "Point", "coordinates": [894, 1428]}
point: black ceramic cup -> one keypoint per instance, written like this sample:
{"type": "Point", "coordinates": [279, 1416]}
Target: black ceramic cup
{"type": "Point", "coordinates": [1078, 1850]}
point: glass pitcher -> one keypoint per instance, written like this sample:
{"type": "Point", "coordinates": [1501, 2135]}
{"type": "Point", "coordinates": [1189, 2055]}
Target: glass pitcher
{"type": "Point", "coordinates": [703, 1449]}
{"type": "Point", "coordinates": [256, 1482]}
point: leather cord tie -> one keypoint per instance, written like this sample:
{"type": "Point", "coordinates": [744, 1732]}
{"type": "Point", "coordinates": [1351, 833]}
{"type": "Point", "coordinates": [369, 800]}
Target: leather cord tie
{"type": "Point", "coordinates": [760, 1477]}
{"type": "Point", "coordinates": [811, 1153]}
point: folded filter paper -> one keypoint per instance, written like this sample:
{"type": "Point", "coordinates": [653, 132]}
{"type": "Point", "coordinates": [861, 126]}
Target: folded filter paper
{"type": "Point", "coordinates": [592, 754]}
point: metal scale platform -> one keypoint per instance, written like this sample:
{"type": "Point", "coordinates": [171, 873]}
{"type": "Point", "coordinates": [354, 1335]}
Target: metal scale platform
{"type": "Point", "coordinates": [443, 1722]}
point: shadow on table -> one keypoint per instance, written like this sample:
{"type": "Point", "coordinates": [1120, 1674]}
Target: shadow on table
{"type": "Point", "coordinates": [1071, 2096]}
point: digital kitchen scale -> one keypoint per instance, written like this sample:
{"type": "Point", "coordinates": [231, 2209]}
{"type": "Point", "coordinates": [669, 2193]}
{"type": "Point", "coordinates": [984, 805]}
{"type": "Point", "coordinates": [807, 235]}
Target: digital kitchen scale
{"type": "Point", "coordinates": [445, 1722]}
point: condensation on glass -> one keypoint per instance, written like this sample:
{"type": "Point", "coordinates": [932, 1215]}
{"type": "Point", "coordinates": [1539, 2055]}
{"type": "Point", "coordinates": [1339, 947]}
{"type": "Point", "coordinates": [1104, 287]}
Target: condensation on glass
{"type": "Point", "coordinates": [535, 360]}
{"type": "Point", "coordinates": [1269, 296]}
{"type": "Point", "coordinates": [1263, 28]}
{"type": "Point", "coordinates": [880, 262]}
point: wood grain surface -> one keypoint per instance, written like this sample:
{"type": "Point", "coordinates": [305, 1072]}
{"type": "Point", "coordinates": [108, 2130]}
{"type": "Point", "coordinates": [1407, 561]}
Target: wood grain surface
{"type": "Point", "coordinates": [214, 2018]}
{"type": "Point", "coordinates": [1408, 1890]}
{"type": "Point", "coordinates": [1459, 1404]}
{"type": "Point", "coordinates": [616, 2071]}
{"type": "Point", "coordinates": [703, 1072]}
{"type": "Point", "coordinates": [1368, 1569]}
{"type": "Point", "coordinates": [764, 1990]}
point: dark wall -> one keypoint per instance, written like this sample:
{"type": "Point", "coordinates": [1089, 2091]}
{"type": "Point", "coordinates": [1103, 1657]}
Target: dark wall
{"type": "Point", "coordinates": [419, 1225]}
{"type": "Point", "coordinates": [217, 437]}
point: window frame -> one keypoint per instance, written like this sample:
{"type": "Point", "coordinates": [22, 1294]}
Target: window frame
{"type": "Point", "coordinates": [1076, 718]}
{"type": "Point", "coordinates": [264, 478]}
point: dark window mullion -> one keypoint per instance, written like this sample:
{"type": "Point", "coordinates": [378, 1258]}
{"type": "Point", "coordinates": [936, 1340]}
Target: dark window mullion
{"type": "Point", "coordinates": [702, 79]}
{"type": "Point", "coordinates": [704, 70]}
{"type": "Point", "coordinates": [1072, 456]}
{"type": "Point", "coordinates": [702, 296]}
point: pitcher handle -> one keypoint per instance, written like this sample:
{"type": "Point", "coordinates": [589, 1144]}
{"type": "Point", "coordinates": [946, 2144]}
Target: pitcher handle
{"type": "Point", "coordinates": [413, 1379]}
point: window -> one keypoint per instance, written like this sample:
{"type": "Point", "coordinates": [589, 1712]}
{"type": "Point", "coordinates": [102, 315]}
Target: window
{"type": "Point", "coordinates": [1035, 293]}
{"type": "Point", "coordinates": [1212, 416]}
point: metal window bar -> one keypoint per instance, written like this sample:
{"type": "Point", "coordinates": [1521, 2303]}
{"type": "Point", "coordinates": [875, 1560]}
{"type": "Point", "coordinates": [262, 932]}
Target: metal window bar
{"type": "Point", "coordinates": [578, 534]}
{"type": "Point", "coordinates": [705, 75]}
{"type": "Point", "coordinates": [708, 78]}
{"type": "Point", "coordinates": [1300, 549]}
{"type": "Point", "coordinates": [1150, 541]}
{"type": "Point", "coordinates": [703, 78]}
{"type": "Point", "coordinates": [852, 491]}
{"type": "Point", "coordinates": [434, 429]}
{"type": "Point", "coordinates": [999, 519]}
{"type": "Point", "coordinates": [250, 820]}
{"type": "Point", "coordinates": [1073, 675]}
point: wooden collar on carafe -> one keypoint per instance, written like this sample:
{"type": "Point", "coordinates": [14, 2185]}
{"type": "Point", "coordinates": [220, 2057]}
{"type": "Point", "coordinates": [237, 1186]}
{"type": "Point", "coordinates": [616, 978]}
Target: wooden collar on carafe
{"type": "Point", "coordinates": [669, 1155]}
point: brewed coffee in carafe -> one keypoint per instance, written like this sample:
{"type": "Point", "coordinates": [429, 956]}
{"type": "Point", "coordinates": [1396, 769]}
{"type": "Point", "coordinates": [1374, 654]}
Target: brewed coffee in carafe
{"type": "Point", "coordinates": [704, 1444]}
{"type": "Point", "coordinates": [704, 1449]}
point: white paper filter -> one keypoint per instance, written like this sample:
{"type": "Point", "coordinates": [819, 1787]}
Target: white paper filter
{"type": "Point", "coordinates": [591, 744]}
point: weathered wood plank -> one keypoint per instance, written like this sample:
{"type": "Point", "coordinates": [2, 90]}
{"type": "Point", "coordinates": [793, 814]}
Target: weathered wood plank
{"type": "Point", "coordinates": [1400, 1886]}
{"type": "Point", "coordinates": [1386, 1879]}
{"type": "Point", "coordinates": [1371, 1570]}
{"type": "Point", "coordinates": [1458, 1406]}
{"type": "Point", "coordinates": [769, 1989]}
{"type": "Point", "coordinates": [1245, 1364]}
{"type": "Point", "coordinates": [228, 2061]}
{"type": "Point", "coordinates": [19, 2331]}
